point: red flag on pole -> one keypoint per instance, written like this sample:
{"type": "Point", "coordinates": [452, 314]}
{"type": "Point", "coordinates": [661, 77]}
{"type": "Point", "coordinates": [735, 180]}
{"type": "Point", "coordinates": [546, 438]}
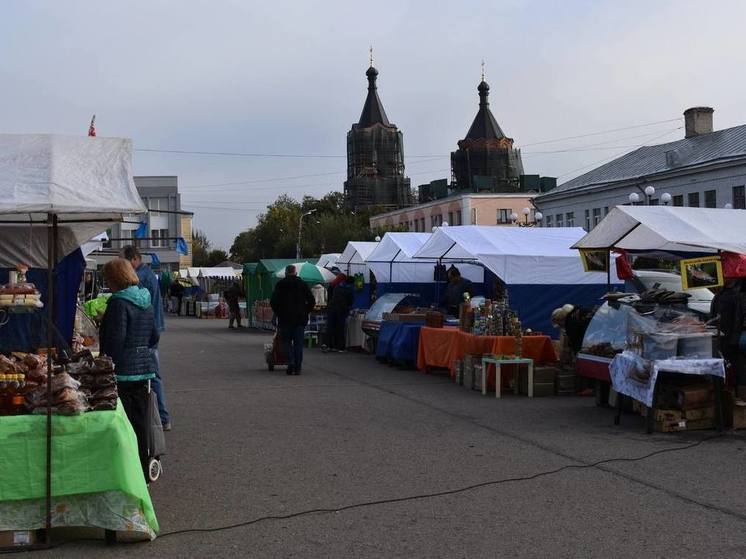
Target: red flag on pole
{"type": "Point", "coordinates": [92, 127]}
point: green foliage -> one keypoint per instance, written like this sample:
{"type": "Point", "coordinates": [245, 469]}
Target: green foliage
{"type": "Point", "coordinates": [200, 248]}
{"type": "Point", "coordinates": [216, 257]}
{"type": "Point", "coordinates": [328, 229]}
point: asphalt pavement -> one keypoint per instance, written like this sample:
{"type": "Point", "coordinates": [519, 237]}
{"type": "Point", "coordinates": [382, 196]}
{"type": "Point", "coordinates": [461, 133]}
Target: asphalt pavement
{"type": "Point", "coordinates": [355, 458]}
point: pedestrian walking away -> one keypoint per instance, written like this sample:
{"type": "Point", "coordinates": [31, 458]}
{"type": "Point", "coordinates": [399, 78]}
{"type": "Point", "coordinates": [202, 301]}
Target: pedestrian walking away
{"type": "Point", "coordinates": [232, 296]}
{"type": "Point", "coordinates": [129, 336]}
{"type": "Point", "coordinates": [150, 282]}
{"type": "Point", "coordinates": [291, 302]}
{"type": "Point", "coordinates": [338, 311]}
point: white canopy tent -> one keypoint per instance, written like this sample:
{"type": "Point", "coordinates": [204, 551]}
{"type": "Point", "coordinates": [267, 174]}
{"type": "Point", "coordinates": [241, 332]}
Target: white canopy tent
{"type": "Point", "coordinates": [225, 272]}
{"type": "Point", "coordinates": [517, 255]}
{"type": "Point", "coordinates": [77, 182]}
{"type": "Point", "coordinates": [393, 260]}
{"type": "Point", "coordinates": [328, 260]}
{"type": "Point", "coordinates": [352, 260]}
{"type": "Point", "coordinates": [669, 229]}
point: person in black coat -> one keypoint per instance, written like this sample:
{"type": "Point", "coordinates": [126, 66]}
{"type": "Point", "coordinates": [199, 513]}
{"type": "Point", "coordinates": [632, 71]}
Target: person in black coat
{"type": "Point", "coordinates": [455, 289]}
{"type": "Point", "coordinates": [291, 302]}
{"type": "Point", "coordinates": [338, 310]}
{"type": "Point", "coordinates": [729, 308]}
{"type": "Point", "coordinates": [128, 335]}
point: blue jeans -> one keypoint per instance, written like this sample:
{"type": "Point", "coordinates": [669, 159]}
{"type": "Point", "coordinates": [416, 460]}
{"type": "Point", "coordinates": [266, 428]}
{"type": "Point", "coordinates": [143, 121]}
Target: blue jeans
{"type": "Point", "coordinates": [157, 386]}
{"type": "Point", "coordinates": [292, 345]}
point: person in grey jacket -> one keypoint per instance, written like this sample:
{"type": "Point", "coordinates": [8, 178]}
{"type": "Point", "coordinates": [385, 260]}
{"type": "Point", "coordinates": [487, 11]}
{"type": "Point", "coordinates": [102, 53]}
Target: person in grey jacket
{"type": "Point", "coordinates": [150, 282]}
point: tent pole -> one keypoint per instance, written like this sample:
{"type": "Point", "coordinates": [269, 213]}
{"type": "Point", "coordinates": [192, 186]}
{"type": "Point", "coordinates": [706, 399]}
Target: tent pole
{"type": "Point", "coordinates": [51, 264]}
{"type": "Point", "coordinates": [608, 271]}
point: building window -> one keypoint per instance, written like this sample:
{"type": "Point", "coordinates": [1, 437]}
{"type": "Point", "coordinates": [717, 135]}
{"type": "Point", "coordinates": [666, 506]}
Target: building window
{"type": "Point", "coordinates": [711, 199]}
{"type": "Point", "coordinates": [503, 215]}
{"type": "Point", "coordinates": [678, 200]}
{"type": "Point", "coordinates": [587, 220]}
{"type": "Point", "coordinates": [570, 219]}
{"type": "Point", "coordinates": [422, 224]}
{"type": "Point", "coordinates": [558, 219]}
{"type": "Point", "coordinates": [155, 204]}
{"type": "Point", "coordinates": [458, 217]}
{"type": "Point", "coordinates": [473, 216]}
{"type": "Point", "coordinates": [450, 218]}
{"type": "Point", "coordinates": [548, 221]}
{"type": "Point", "coordinates": [693, 199]}
{"type": "Point", "coordinates": [159, 238]}
{"type": "Point", "coordinates": [654, 202]}
{"type": "Point", "coordinates": [596, 216]}
{"type": "Point", "coordinates": [739, 198]}
{"type": "Point", "coordinates": [606, 211]}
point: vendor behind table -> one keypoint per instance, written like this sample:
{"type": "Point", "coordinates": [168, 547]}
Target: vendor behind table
{"type": "Point", "coordinates": [458, 290]}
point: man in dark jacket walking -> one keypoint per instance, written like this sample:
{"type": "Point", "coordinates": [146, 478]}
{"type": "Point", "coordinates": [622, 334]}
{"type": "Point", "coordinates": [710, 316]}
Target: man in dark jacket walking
{"type": "Point", "coordinates": [232, 296]}
{"type": "Point", "coordinates": [291, 302]}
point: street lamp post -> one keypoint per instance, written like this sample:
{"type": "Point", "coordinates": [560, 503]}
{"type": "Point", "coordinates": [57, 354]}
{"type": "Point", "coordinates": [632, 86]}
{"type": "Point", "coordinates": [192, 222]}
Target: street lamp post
{"type": "Point", "coordinates": [300, 231]}
{"type": "Point", "coordinates": [514, 217]}
{"type": "Point", "coordinates": [666, 198]}
{"type": "Point", "coordinates": [634, 198]}
{"type": "Point", "coordinates": [526, 212]}
{"type": "Point", "coordinates": [649, 192]}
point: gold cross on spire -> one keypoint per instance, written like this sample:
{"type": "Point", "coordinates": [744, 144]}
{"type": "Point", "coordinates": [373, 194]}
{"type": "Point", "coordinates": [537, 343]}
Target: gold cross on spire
{"type": "Point", "coordinates": [483, 69]}
{"type": "Point", "coordinates": [371, 55]}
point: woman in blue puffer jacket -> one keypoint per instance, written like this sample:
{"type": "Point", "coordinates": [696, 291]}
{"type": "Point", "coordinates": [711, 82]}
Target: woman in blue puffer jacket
{"type": "Point", "coordinates": [128, 335]}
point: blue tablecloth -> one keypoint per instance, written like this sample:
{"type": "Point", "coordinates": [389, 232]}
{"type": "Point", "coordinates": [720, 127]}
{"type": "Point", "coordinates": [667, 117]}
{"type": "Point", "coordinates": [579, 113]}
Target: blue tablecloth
{"type": "Point", "coordinates": [398, 341]}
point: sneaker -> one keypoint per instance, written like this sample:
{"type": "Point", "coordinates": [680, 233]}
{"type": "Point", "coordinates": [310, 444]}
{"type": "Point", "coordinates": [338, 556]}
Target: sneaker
{"type": "Point", "coordinates": [740, 403]}
{"type": "Point", "coordinates": [296, 371]}
{"type": "Point", "coordinates": [167, 426]}
{"type": "Point", "coordinates": [231, 327]}
{"type": "Point", "coordinates": [290, 370]}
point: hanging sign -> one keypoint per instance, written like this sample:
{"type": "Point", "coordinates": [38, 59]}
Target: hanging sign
{"type": "Point", "coordinates": [701, 272]}
{"type": "Point", "coordinates": [595, 260]}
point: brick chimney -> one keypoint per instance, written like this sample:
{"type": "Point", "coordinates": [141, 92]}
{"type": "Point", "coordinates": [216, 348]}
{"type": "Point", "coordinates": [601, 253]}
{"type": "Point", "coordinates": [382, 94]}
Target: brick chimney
{"type": "Point", "coordinates": [698, 121]}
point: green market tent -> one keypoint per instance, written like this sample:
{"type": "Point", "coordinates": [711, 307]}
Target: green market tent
{"type": "Point", "coordinates": [260, 278]}
{"type": "Point", "coordinates": [310, 273]}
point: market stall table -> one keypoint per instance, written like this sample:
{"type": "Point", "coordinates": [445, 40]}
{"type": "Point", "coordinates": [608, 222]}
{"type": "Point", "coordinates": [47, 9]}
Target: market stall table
{"type": "Point", "coordinates": [625, 384]}
{"type": "Point", "coordinates": [97, 478]}
{"type": "Point", "coordinates": [442, 347]}
{"type": "Point", "coordinates": [498, 363]}
{"type": "Point", "coordinates": [398, 341]}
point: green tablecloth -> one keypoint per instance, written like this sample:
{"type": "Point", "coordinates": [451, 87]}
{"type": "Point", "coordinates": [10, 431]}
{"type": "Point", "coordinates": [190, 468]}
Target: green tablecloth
{"type": "Point", "coordinates": [91, 453]}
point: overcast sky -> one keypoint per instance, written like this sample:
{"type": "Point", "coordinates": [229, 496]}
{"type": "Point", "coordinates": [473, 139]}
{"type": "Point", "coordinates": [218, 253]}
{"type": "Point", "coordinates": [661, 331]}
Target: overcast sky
{"type": "Point", "coordinates": [289, 78]}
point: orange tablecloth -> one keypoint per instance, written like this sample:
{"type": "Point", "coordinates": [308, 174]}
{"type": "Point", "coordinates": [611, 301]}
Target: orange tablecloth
{"type": "Point", "coordinates": [442, 347]}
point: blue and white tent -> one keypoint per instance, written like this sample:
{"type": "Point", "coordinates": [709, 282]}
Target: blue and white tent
{"type": "Point", "coordinates": [396, 270]}
{"type": "Point", "coordinates": [537, 264]}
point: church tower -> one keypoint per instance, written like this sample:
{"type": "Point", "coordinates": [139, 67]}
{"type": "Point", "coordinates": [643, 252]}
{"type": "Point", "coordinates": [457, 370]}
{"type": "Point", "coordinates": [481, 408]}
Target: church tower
{"type": "Point", "coordinates": [375, 158]}
{"type": "Point", "coordinates": [486, 160]}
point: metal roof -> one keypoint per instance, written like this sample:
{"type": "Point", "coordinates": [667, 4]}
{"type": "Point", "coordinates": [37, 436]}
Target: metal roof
{"type": "Point", "coordinates": [650, 160]}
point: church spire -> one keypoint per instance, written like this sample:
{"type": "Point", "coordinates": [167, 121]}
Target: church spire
{"type": "Point", "coordinates": [373, 112]}
{"type": "Point", "coordinates": [484, 127]}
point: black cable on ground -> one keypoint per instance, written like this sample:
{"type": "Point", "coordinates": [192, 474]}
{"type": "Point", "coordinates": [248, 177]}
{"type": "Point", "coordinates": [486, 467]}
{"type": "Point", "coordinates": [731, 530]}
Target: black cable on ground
{"type": "Point", "coordinates": [410, 498]}
{"type": "Point", "coordinates": [438, 493]}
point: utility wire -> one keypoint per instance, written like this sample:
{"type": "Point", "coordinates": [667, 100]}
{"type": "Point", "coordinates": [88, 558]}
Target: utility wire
{"type": "Point", "coordinates": [333, 156]}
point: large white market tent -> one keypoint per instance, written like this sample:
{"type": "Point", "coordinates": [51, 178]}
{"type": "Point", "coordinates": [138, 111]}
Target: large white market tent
{"type": "Point", "coordinates": [517, 255]}
{"type": "Point", "coordinates": [540, 270]}
{"type": "Point", "coordinates": [393, 260]}
{"type": "Point", "coordinates": [352, 260]}
{"type": "Point", "coordinates": [669, 229]}
{"type": "Point", "coordinates": [225, 272]}
{"type": "Point", "coordinates": [86, 183]}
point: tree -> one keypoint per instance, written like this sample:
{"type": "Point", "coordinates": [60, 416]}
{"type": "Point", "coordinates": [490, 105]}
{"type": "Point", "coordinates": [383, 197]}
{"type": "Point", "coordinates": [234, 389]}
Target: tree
{"type": "Point", "coordinates": [215, 257]}
{"type": "Point", "coordinates": [327, 229]}
{"type": "Point", "coordinates": [200, 248]}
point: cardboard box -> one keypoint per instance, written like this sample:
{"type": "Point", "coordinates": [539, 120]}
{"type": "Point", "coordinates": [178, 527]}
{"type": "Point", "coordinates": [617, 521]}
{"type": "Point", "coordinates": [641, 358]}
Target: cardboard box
{"type": "Point", "coordinates": [684, 425]}
{"type": "Point", "coordinates": [544, 381]}
{"type": "Point", "coordinates": [698, 414]}
{"type": "Point", "coordinates": [17, 538]}
{"type": "Point", "coordinates": [739, 417]}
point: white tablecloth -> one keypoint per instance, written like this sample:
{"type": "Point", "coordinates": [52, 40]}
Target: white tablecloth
{"type": "Point", "coordinates": [624, 364]}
